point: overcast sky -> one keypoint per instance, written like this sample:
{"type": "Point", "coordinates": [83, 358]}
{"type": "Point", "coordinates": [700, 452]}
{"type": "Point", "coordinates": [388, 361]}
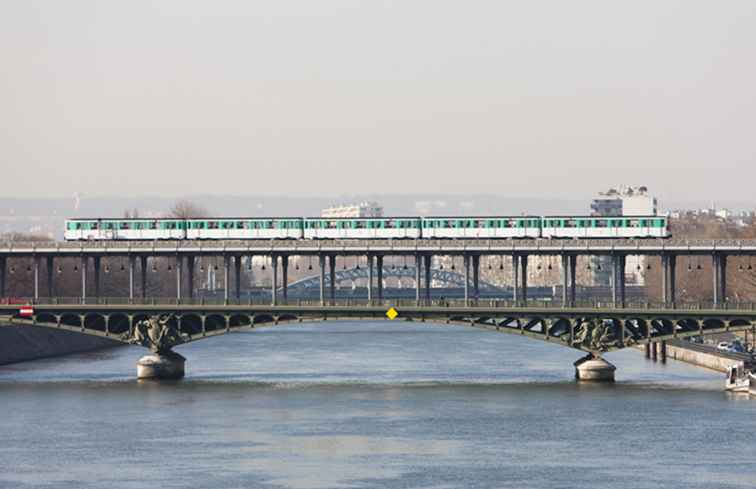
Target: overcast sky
{"type": "Point", "coordinates": [330, 97]}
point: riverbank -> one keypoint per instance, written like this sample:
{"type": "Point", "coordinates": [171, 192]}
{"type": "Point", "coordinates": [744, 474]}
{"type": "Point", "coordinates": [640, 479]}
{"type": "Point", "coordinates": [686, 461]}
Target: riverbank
{"type": "Point", "coordinates": [703, 355]}
{"type": "Point", "coordinates": [22, 343]}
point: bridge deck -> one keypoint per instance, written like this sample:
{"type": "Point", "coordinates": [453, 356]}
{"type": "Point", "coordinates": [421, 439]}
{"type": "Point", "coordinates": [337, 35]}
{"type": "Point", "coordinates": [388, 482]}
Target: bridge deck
{"type": "Point", "coordinates": [409, 246]}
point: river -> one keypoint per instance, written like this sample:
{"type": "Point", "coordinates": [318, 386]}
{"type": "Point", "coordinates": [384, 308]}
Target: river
{"type": "Point", "coordinates": [371, 405]}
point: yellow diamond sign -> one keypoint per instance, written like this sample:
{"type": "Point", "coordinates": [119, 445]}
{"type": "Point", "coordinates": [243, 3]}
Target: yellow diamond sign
{"type": "Point", "coordinates": [392, 313]}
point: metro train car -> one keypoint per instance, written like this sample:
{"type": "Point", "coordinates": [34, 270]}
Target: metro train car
{"type": "Point", "coordinates": [481, 227]}
{"type": "Point", "coordinates": [362, 228]}
{"type": "Point", "coordinates": [455, 227]}
{"type": "Point", "coordinates": [245, 228]}
{"type": "Point", "coordinates": [587, 227]}
{"type": "Point", "coordinates": [124, 229]}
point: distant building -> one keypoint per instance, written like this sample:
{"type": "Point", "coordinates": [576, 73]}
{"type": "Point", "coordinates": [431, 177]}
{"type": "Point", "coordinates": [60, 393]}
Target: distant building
{"type": "Point", "coordinates": [363, 209]}
{"type": "Point", "coordinates": [625, 201]}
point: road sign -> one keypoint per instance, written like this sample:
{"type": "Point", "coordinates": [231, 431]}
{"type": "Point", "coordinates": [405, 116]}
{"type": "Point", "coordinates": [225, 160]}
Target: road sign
{"type": "Point", "coordinates": [26, 311]}
{"type": "Point", "coordinates": [392, 313]}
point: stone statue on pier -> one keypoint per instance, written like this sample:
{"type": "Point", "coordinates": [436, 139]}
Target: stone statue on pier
{"type": "Point", "coordinates": [594, 335]}
{"type": "Point", "coordinates": [159, 334]}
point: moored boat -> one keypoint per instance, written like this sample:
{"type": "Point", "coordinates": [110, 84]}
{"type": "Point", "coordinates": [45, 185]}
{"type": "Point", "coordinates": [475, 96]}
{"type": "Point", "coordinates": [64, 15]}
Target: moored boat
{"type": "Point", "coordinates": [752, 384]}
{"type": "Point", "coordinates": [737, 378]}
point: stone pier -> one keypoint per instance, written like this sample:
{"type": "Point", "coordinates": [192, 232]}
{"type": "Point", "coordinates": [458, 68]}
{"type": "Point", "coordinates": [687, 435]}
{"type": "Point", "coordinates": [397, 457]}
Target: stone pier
{"type": "Point", "coordinates": [594, 368]}
{"type": "Point", "coordinates": [169, 365]}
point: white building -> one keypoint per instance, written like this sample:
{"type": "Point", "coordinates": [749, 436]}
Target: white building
{"type": "Point", "coordinates": [363, 209]}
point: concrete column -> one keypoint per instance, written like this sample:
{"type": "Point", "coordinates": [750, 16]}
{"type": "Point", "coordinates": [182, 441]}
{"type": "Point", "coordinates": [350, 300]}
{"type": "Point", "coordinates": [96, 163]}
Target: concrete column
{"type": "Point", "coordinates": [191, 262]}
{"type": "Point", "coordinates": [143, 271]}
{"type": "Point", "coordinates": [322, 262]}
{"type": "Point", "coordinates": [515, 279]}
{"type": "Point", "coordinates": [654, 350]}
{"type": "Point", "coordinates": [36, 278]}
{"type": "Point", "coordinates": [418, 274]}
{"type": "Point", "coordinates": [665, 278]}
{"type": "Point", "coordinates": [131, 277]}
{"type": "Point", "coordinates": [237, 277]}
{"type": "Point", "coordinates": [379, 271]}
{"type": "Point", "coordinates": [466, 261]}
{"type": "Point", "coordinates": [524, 285]}
{"type": "Point", "coordinates": [274, 281]}
{"type": "Point", "coordinates": [83, 278]}
{"type": "Point", "coordinates": [476, 276]}
{"type": "Point", "coordinates": [663, 352]}
{"type": "Point", "coordinates": [621, 280]}
{"type": "Point", "coordinates": [573, 280]}
{"type": "Point", "coordinates": [565, 280]}
{"type": "Point", "coordinates": [50, 277]}
{"type": "Point", "coordinates": [428, 259]}
{"type": "Point", "coordinates": [332, 272]}
{"type": "Point", "coordinates": [723, 278]}
{"type": "Point", "coordinates": [3, 263]}
{"type": "Point", "coordinates": [97, 276]}
{"type": "Point", "coordinates": [179, 266]}
{"type": "Point", "coordinates": [285, 277]}
{"type": "Point", "coordinates": [647, 348]}
{"type": "Point", "coordinates": [226, 278]}
{"type": "Point", "coordinates": [719, 268]}
{"type": "Point", "coordinates": [370, 278]}
{"type": "Point", "coordinates": [671, 281]}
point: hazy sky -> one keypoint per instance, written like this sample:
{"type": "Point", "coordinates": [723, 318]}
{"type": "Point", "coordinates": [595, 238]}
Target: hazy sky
{"type": "Point", "coordinates": [331, 97]}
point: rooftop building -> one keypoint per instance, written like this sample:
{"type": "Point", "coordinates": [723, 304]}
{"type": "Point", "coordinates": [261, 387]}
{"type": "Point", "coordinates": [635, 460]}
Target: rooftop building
{"type": "Point", "coordinates": [363, 209]}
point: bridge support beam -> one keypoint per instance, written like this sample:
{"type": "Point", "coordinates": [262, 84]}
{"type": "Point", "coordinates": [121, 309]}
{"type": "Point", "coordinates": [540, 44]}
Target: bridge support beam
{"type": "Point", "coordinates": [427, 267]}
{"type": "Point", "coordinates": [524, 278]}
{"type": "Point", "coordinates": [322, 263]}
{"type": "Point", "coordinates": [618, 280]}
{"type": "Point", "coordinates": [370, 278]}
{"type": "Point", "coordinates": [131, 260]}
{"type": "Point", "coordinates": [476, 276]}
{"type": "Point", "coordinates": [515, 279]}
{"type": "Point", "coordinates": [143, 271]}
{"type": "Point", "coordinates": [418, 274]}
{"type": "Point", "coordinates": [573, 279]}
{"type": "Point", "coordinates": [237, 277]}
{"type": "Point", "coordinates": [669, 278]}
{"type": "Point", "coordinates": [50, 277]}
{"type": "Point", "coordinates": [97, 276]}
{"type": "Point", "coordinates": [466, 264]}
{"type": "Point", "coordinates": [594, 368]}
{"type": "Point", "coordinates": [179, 266]}
{"type": "Point", "coordinates": [83, 278]}
{"type": "Point", "coordinates": [190, 264]}
{"type": "Point", "coordinates": [274, 280]}
{"type": "Point", "coordinates": [35, 262]}
{"type": "Point", "coordinates": [379, 270]}
{"type": "Point", "coordinates": [332, 273]}
{"type": "Point", "coordinates": [156, 366]}
{"type": "Point", "coordinates": [284, 278]}
{"type": "Point", "coordinates": [226, 278]}
{"type": "Point", "coordinates": [3, 263]}
{"type": "Point", "coordinates": [565, 280]}
{"type": "Point", "coordinates": [719, 269]}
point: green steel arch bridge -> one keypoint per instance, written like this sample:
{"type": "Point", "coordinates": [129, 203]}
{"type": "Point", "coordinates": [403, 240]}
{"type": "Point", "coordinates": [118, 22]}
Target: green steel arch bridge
{"type": "Point", "coordinates": [593, 329]}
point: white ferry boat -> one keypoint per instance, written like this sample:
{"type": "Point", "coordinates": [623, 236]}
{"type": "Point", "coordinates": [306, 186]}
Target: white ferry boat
{"type": "Point", "coordinates": [738, 379]}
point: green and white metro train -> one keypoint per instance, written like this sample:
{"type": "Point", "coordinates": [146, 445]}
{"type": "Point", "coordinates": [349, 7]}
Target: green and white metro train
{"type": "Point", "coordinates": [437, 227]}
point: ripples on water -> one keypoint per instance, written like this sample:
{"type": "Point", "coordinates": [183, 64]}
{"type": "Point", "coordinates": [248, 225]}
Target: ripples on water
{"type": "Point", "coordinates": [389, 405]}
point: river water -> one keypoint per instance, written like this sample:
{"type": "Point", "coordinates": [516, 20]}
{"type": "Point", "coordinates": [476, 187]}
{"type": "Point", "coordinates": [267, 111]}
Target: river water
{"type": "Point", "coordinates": [371, 405]}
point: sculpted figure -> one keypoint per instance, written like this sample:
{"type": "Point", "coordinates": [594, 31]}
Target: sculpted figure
{"type": "Point", "coordinates": [159, 334]}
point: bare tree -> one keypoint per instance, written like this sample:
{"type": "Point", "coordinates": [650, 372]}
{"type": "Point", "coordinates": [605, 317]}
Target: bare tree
{"type": "Point", "coordinates": [185, 209]}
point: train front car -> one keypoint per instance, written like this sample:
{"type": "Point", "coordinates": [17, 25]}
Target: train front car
{"type": "Point", "coordinates": [362, 228]}
{"type": "Point", "coordinates": [594, 227]}
{"type": "Point", "coordinates": [107, 229]}
{"type": "Point", "coordinates": [451, 227]}
{"type": "Point", "coordinates": [245, 228]}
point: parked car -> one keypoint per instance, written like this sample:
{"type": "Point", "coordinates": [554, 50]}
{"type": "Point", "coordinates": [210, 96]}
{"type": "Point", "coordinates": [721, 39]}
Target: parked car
{"type": "Point", "coordinates": [723, 346]}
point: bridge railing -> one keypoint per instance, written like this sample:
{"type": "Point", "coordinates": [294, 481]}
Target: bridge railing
{"type": "Point", "coordinates": [309, 245]}
{"type": "Point", "coordinates": [386, 303]}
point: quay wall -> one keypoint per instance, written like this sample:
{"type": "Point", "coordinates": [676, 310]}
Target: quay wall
{"type": "Point", "coordinates": [702, 356]}
{"type": "Point", "coordinates": [21, 343]}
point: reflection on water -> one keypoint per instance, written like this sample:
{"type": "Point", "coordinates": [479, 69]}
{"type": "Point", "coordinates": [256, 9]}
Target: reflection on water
{"type": "Point", "coordinates": [390, 405]}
